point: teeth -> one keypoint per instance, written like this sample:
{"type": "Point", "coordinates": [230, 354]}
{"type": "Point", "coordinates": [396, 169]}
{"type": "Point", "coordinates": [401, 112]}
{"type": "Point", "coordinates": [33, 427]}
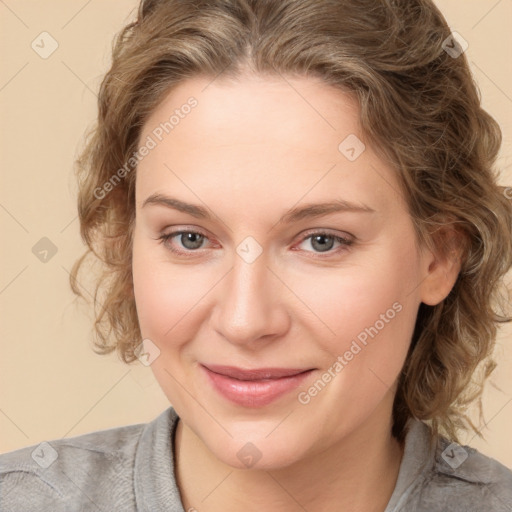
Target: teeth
{"type": "Point", "coordinates": [259, 378]}
{"type": "Point", "coordinates": [249, 378]}
{"type": "Point", "coordinates": [256, 375]}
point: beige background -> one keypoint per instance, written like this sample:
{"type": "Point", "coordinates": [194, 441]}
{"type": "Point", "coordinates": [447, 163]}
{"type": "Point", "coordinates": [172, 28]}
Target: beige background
{"type": "Point", "coordinates": [52, 384]}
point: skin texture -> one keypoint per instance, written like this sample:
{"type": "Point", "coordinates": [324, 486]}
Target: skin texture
{"type": "Point", "coordinates": [251, 150]}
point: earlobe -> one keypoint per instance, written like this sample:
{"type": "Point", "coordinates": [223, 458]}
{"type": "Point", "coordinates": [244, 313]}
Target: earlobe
{"type": "Point", "coordinates": [442, 265]}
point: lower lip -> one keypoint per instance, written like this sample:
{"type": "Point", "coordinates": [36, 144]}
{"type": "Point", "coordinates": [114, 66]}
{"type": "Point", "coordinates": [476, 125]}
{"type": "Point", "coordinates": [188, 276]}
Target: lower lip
{"type": "Point", "coordinates": [254, 393]}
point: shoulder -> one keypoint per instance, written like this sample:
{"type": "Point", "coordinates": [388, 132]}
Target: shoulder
{"type": "Point", "coordinates": [461, 478]}
{"type": "Point", "coordinates": [482, 483]}
{"type": "Point", "coordinates": [94, 468]}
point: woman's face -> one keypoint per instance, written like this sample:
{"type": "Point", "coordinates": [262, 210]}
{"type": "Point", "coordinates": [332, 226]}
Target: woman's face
{"type": "Point", "coordinates": [298, 258]}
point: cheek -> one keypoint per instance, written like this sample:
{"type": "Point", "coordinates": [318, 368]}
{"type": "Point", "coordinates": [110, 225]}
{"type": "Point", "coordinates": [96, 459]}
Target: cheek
{"type": "Point", "coordinates": [369, 302]}
{"type": "Point", "coordinates": [165, 295]}
{"type": "Point", "coordinates": [371, 313]}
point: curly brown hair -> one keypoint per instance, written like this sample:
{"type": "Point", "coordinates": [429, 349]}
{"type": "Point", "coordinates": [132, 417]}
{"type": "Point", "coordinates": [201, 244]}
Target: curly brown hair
{"type": "Point", "coordinates": [419, 107]}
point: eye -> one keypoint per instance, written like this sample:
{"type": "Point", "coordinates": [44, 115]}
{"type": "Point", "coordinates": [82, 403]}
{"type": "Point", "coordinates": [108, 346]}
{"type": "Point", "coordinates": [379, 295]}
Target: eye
{"type": "Point", "coordinates": [323, 242]}
{"type": "Point", "coordinates": [190, 241]}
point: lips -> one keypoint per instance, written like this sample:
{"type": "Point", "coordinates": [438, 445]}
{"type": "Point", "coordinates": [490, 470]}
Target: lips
{"type": "Point", "coordinates": [253, 387]}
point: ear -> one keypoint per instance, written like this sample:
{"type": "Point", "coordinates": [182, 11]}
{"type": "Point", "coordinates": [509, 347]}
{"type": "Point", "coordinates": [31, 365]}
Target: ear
{"type": "Point", "coordinates": [441, 264]}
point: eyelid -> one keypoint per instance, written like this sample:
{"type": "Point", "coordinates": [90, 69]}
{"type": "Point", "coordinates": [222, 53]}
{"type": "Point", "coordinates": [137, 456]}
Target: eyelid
{"type": "Point", "coordinates": [330, 232]}
{"type": "Point", "coordinates": [184, 229]}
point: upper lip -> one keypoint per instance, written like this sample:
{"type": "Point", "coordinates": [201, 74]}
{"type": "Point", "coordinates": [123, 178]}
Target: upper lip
{"type": "Point", "coordinates": [255, 373]}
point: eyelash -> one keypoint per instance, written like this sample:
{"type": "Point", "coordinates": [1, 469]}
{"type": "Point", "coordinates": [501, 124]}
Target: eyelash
{"type": "Point", "coordinates": [345, 242]}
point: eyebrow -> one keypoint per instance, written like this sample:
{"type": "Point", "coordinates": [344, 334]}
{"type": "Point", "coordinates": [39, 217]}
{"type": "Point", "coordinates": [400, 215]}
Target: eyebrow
{"type": "Point", "coordinates": [310, 210]}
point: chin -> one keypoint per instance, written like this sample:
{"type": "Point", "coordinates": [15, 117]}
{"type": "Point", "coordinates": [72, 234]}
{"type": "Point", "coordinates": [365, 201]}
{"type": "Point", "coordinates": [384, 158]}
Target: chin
{"type": "Point", "coordinates": [258, 452]}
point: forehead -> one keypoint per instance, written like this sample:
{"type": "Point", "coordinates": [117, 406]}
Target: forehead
{"type": "Point", "coordinates": [253, 135]}
{"type": "Point", "coordinates": [302, 112]}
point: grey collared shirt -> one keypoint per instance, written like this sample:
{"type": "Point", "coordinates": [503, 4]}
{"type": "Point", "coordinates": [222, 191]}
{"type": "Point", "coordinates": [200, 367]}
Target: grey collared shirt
{"type": "Point", "coordinates": [131, 468]}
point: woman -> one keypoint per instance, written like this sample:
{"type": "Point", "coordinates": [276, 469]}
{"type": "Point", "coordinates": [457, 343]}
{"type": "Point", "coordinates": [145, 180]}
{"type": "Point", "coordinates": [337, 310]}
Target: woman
{"type": "Point", "coordinates": [303, 236]}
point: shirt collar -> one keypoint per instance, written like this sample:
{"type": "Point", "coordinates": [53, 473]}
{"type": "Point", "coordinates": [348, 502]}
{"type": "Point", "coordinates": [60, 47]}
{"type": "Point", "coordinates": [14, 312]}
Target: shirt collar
{"type": "Point", "coordinates": [418, 458]}
{"type": "Point", "coordinates": [154, 479]}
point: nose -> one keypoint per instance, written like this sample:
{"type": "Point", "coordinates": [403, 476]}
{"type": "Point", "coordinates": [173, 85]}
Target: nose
{"type": "Point", "coordinates": [250, 309]}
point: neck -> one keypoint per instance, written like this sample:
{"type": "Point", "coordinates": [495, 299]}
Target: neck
{"type": "Point", "coordinates": [358, 473]}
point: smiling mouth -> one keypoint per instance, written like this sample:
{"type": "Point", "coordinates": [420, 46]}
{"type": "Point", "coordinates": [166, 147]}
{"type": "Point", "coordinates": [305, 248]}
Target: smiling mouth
{"type": "Point", "coordinates": [253, 387]}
